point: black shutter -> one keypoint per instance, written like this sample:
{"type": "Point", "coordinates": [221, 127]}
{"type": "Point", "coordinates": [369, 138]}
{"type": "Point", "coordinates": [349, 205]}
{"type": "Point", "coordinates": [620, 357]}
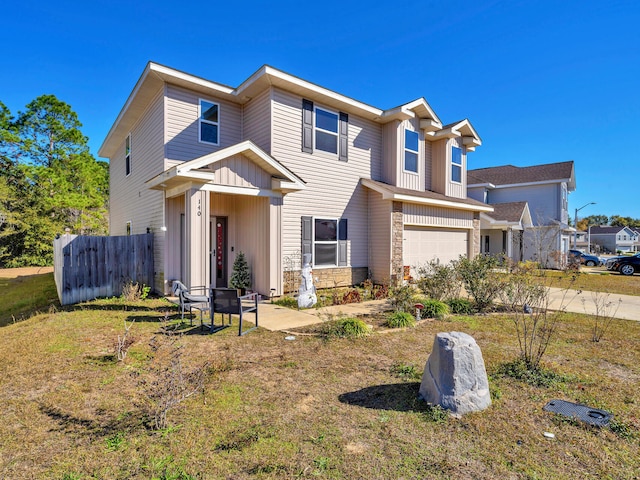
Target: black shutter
{"type": "Point", "coordinates": [343, 137]}
{"type": "Point", "coordinates": [342, 242]}
{"type": "Point", "coordinates": [306, 237]}
{"type": "Point", "coordinates": [307, 126]}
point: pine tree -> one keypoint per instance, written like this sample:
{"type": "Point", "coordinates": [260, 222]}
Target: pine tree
{"type": "Point", "coordinates": [240, 278]}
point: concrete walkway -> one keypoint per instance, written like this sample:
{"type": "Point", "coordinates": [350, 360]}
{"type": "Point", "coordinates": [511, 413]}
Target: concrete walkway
{"type": "Point", "coordinates": [584, 302]}
{"type": "Point", "coordinates": [276, 318]}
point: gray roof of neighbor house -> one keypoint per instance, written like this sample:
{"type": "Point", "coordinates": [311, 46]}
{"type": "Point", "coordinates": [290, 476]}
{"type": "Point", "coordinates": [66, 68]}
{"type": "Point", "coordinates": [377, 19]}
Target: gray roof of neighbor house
{"type": "Point", "coordinates": [508, 212]}
{"type": "Point", "coordinates": [605, 229]}
{"type": "Point", "coordinates": [511, 175]}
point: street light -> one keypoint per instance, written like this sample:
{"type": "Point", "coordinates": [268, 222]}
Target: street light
{"type": "Point", "coordinates": [575, 234]}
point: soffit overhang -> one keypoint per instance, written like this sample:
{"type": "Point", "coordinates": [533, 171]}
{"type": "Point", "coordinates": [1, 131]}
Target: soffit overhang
{"type": "Point", "coordinates": [397, 194]}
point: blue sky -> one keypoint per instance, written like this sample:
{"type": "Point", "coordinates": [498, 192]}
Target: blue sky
{"type": "Point", "coordinates": [541, 81]}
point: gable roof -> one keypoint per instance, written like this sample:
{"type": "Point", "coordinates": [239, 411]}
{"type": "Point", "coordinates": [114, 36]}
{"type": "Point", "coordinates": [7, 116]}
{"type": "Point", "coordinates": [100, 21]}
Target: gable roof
{"type": "Point", "coordinates": [508, 175]}
{"type": "Point", "coordinates": [283, 179]}
{"type": "Point", "coordinates": [607, 230]}
{"type": "Point", "coordinates": [155, 76]}
{"type": "Point", "coordinates": [510, 214]}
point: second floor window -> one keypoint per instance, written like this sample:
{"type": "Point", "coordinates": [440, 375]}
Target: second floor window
{"type": "Point", "coordinates": [411, 151]}
{"type": "Point", "coordinates": [127, 155]}
{"type": "Point", "coordinates": [209, 121]}
{"type": "Point", "coordinates": [456, 164]}
{"type": "Point", "coordinates": [326, 132]}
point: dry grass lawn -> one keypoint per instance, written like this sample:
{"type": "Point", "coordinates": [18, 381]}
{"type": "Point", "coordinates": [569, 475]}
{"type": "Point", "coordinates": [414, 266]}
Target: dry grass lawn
{"type": "Point", "coordinates": [308, 408]}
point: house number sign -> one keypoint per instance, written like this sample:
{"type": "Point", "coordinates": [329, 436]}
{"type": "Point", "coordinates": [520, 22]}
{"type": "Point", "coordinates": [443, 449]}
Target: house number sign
{"type": "Point", "coordinates": [199, 209]}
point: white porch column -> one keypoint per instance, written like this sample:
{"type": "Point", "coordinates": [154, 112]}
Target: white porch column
{"type": "Point", "coordinates": [510, 243]}
{"type": "Point", "coordinates": [197, 208]}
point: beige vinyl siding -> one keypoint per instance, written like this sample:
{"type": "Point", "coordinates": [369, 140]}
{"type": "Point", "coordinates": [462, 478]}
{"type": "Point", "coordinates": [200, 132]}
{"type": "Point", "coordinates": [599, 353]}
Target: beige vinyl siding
{"type": "Point", "coordinates": [182, 130]}
{"type": "Point", "coordinates": [427, 152]}
{"type": "Point", "coordinates": [439, 166]}
{"type": "Point", "coordinates": [130, 199]}
{"type": "Point", "coordinates": [333, 187]}
{"type": "Point", "coordinates": [257, 121]}
{"type": "Point", "coordinates": [410, 180]}
{"type": "Point", "coordinates": [379, 238]}
{"type": "Point", "coordinates": [441, 174]}
{"type": "Point", "coordinates": [239, 171]}
{"type": "Point", "coordinates": [429, 216]}
{"type": "Point", "coordinates": [391, 151]}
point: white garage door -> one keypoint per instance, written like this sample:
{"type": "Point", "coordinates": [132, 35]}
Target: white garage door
{"type": "Point", "coordinates": [421, 245]}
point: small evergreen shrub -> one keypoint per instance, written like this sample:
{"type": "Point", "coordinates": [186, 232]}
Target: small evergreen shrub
{"type": "Point", "coordinates": [432, 308]}
{"type": "Point", "coordinates": [460, 306]}
{"type": "Point", "coordinates": [240, 276]}
{"type": "Point", "coordinates": [400, 320]}
{"type": "Point", "coordinates": [347, 328]}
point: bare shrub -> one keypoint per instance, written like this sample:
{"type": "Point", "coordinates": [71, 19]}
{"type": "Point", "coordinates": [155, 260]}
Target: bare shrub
{"type": "Point", "coordinates": [167, 383]}
{"type": "Point", "coordinates": [123, 342]}
{"type": "Point", "coordinates": [605, 312]}
{"type": "Point", "coordinates": [438, 281]}
{"type": "Point", "coordinates": [528, 302]}
{"type": "Point", "coordinates": [401, 298]}
{"type": "Point", "coordinates": [133, 291]}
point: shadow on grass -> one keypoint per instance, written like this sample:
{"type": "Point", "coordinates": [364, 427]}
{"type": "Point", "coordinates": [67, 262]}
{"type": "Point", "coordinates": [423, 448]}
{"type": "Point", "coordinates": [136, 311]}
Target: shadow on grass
{"type": "Point", "coordinates": [70, 423]}
{"type": "Point", "coordinates": [400, 397]}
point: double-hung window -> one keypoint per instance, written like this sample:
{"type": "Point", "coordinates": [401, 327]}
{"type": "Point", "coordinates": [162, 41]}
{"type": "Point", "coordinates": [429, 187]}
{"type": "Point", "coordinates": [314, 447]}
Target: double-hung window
{"type": "Point", "coordinates": [326, 131]}
{"type": "Point", "coordinates": [209, 122]}
{"type": "Point", "coordinates": [325, 241]}
{"type": "Point", "coordinates": [127, 155]}
{"type": "Point", "coordinates": [456, 164]}
{"type": "Point", "coordinates": [411, 142]}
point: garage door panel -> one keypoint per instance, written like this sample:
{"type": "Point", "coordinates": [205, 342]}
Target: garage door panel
{"type": "Point", "coordinates": [422, 245]}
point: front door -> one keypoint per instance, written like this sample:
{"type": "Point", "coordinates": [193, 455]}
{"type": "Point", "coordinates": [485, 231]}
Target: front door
{"type": "Point", "coordinates": [218, 227]}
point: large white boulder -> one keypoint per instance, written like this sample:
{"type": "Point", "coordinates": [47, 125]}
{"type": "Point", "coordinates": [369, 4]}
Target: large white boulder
{"type": "Point", "coordinates": [454, 376]}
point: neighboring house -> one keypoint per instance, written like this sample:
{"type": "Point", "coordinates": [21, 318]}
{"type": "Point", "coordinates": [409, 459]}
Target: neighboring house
{"type": "Point", "coordinates": [278, 167]}
{"type": "Point", "coordinates": [543, 233]}
{"type": "Point", "coordinates": [501, 232]}
{"type": "Point", "coordinates": [615, 239]}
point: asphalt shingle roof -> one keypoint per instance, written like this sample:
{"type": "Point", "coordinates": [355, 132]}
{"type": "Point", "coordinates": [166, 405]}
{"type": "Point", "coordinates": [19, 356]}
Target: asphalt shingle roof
{"type": "Point", "coordinates": [509, 174]}
{"type": "Point", "coordinates": [508, 212]}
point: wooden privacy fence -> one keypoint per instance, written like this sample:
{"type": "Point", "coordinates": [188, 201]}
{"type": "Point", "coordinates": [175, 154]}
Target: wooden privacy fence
{"type": "Point", "coordinates": [90, 267]}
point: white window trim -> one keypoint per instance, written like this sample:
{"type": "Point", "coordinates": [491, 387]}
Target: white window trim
{"type": "Point", "coordinates": [458, 165]}
{"type": "Point", "coordinates": [324, 242]}
{"type": "Point", "coordinates": [201, 121]}
{"type": "Point", "coordinates": [127, 155]}
{"type": "Point", "coordinates": [405, 150]}
{"type": "Point", "coordinates": [328, 132]}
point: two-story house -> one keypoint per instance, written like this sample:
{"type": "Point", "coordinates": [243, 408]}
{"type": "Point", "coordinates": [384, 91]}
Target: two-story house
{"type": "Point", "coordinates": [278, 167]}
{"type": "Point", "coordinates": [614, 239]}
{"type": "Point", "coordinates": [541, 231]}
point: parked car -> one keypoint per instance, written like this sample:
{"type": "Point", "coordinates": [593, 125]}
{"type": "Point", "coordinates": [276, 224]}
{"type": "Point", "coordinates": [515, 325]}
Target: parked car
{"type": "Point", "coordinates": [576, 256]}
{"type": "Point", "coordinates": [612, 260]}
{"type": "Point", "coordinates": [627, 265]}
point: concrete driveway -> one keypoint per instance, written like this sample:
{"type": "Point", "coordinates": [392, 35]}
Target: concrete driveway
{"type": "Point", "coordinates": [580, 301]}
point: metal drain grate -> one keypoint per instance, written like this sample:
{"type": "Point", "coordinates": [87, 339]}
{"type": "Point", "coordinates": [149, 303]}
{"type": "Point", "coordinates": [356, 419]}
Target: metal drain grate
{"type": "Point", "coordinates": [592, 416]}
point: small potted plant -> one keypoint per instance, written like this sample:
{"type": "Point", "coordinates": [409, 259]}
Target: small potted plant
{"type": "Point", "coordinates": [240, 277]}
